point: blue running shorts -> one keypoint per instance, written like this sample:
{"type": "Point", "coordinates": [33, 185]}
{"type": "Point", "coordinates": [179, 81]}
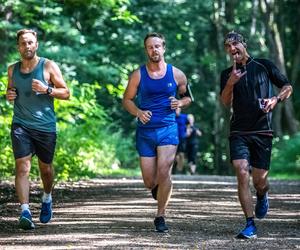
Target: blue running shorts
{"type": "Point", "coordinates": [148, 139]}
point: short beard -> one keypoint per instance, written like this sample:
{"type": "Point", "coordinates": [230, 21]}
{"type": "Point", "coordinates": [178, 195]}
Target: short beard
{"type": "Point", "coordinates": [28, 56]}
{"type": "Point", "coordinates": [155, 59]}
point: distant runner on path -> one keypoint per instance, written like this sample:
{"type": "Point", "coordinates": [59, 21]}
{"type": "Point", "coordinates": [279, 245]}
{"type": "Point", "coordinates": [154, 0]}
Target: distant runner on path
{"type": "Point", "coordinates": [155, 85]}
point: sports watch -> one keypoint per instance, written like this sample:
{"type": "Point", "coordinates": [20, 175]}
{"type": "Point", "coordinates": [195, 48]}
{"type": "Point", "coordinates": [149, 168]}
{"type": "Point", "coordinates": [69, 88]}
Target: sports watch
{"type": "Point", "coordinates": [49, 90]}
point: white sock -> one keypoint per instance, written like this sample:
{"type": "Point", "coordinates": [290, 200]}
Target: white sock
{"type": "Point", "coordinates": [25, 206]}
{"type": "Point", "coordinates": [47, 197]}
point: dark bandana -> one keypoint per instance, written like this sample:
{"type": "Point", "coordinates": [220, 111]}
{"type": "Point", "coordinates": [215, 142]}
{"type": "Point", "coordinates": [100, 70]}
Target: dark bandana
{"type": "Point", "coordinates": [234, 37]}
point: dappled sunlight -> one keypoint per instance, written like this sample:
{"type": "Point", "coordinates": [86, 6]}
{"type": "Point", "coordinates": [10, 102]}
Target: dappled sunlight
{"type": "Point", "coordinates": [119, 214]}
{"type": "Point", "coordinates": [188, 182]}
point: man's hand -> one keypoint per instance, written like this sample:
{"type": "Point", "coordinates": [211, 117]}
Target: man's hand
{"type": "Point", "coordinates": [235, 75]}
{"type": "Point", "coordinates": [39, 87]}
{"type": "Point", "coordinates": [144, 115]}
{"type": "Point", "coordinates": [11, 94]}
{"type": "Point", "coordinates": [175, 103]}
{"type": "Point", "coordinates": [269, 104]}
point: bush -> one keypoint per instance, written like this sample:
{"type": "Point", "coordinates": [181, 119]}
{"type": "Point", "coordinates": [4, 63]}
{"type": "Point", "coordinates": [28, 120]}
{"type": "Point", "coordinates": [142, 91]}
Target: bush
{"type": "Point", "coordinates": [89, 144]}
{"type": "Point", "coordinates": [6, 159]}
{"type": "Point", "coordinates": [286, 157]}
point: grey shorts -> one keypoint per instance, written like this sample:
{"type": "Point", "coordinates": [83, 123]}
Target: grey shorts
{"type": "Point", "coordinates": [29, 141]}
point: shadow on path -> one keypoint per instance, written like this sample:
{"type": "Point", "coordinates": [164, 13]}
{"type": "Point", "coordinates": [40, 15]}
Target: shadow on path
{"type": "Point", "coordinates": [204, 213]}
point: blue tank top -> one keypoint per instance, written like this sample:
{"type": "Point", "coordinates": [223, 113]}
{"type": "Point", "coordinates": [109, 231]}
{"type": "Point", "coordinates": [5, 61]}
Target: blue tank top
{"type": "Point", "coordinates": [32, 110]}
{"type": "Point", "coordinates": [154, 94]}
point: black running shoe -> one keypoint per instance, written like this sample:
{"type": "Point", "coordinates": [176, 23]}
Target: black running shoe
{"type": "Point", "coordinates": [154, 192]}
{"type": "Point", "coordinates": [160, 225]}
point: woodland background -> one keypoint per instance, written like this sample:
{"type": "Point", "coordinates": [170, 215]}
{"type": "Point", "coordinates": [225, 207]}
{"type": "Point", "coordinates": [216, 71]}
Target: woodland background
{"type": "Point", "coordinates": [97, 43]}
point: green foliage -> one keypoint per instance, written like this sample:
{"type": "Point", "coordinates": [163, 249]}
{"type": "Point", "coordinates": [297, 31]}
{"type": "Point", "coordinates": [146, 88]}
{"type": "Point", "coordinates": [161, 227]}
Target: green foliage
{"type": "Point", "coordinates": [6, 158]}
{"type": "Point", "coordinates": [286, 157]}
{"type": "Point", "coordinates": [89, 144]}
{"type": "Point", "coordinates": [102, 41]}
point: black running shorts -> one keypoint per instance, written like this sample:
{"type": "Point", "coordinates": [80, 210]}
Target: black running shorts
{"type": "Point", "coordinates": [256, 149]}
{"type": "Point", "coordinates": [29, 141]}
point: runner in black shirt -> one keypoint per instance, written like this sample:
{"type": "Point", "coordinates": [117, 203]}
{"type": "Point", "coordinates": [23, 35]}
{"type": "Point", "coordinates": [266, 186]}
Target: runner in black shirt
{"type": "Point", "coordinates": [247, 87]}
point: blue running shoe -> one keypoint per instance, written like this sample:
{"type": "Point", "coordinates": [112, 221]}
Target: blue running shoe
{"type": "Point", "coordinates": [25, 221]}
{"type": "Point", "coordinates": [262, 206]}
{"type": "Point", "coordinates": [46, 212]}
{"type": "Point", "coordinates": [249, 232]}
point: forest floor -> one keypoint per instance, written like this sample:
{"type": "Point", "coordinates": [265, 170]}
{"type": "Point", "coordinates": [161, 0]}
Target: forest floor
{"type": "Point", "coordinates": [204, 213]}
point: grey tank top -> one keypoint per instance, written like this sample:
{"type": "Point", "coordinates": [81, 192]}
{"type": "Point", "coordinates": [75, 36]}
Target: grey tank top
{"type": "Point", "coordinates": [32, 110]}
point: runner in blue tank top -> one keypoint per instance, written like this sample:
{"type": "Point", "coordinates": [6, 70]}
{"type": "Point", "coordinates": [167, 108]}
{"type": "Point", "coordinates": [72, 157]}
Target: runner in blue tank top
{"type": "Point", "coordinates": [32, 84]}
{"type": "Point", "coordinates": [155, 85]}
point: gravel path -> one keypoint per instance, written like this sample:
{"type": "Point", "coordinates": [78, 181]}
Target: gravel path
{"type": "Point", "coordinates": [204, 213]}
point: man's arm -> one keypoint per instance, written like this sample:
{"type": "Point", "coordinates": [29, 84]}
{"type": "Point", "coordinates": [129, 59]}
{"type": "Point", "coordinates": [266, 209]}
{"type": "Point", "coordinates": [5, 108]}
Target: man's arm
{"type": "Point", "coordinates": [10, 91]}
{"type": "Point", "coordinates": [181, 80]}
{"type": "Point", "coordinates": [284, 93]}
{"type": "Point", "coordinates": [129, 95]}
{"type": "Point", "coordinates": [227, 93]}
{"type": "Point", "coordinates": [53, 75]}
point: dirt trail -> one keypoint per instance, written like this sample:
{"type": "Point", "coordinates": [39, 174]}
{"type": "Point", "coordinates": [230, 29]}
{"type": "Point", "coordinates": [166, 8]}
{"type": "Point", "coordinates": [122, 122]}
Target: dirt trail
{"type": "Point", "coordinates": [204, 213]}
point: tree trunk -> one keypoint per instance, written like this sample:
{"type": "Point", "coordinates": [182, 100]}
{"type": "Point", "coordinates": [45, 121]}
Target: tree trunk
{"type": "Point", "coordinates": [221, 115]}
{"type": "Point", "coordinates": [276, 49]}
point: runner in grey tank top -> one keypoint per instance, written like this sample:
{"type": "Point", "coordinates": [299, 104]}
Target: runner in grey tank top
{"type": "Point", "coordinates": [33, 83]}
{"type": "Point", "coordinates": [31, 109]}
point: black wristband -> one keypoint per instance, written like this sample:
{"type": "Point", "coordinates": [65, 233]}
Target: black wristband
{"type": "Point", "coordinates": [278, 99]}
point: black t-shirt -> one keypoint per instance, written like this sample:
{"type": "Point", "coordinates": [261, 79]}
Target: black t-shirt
{"type": "Point", "coordinates": [256, 83]}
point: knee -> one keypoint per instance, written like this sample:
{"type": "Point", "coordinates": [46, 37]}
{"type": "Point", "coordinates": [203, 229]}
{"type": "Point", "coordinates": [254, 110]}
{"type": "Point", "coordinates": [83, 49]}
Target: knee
{"type": "Point", "coordinates": [260, 186]}
{"type": "Point", "coordinates": [149, 183]}
{"type": "Point", "coordinates": [46, 169]}
{"type": "Point", "coordinates": [164, 175]}
{"type": "Point", "coordinates": [22, 169]}
{"type": "Point", "coordinates": [242, 171]}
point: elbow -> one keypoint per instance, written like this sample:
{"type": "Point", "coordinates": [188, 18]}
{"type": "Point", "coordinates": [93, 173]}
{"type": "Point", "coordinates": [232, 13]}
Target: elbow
{"type": "Point", "coordinates": [226, 102]}
{"type": "Point", "coordinates": [124, 103]}
{"type": "Point", "coordinates": [226, 99]}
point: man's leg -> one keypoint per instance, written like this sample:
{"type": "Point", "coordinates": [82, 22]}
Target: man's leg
{"type": "Point", "coordinates": [243, 178]}
{"type": "Point", "coordinates": [47, 176]}
{"type": "Point", "coordinates": [148, 168]}
{"type": "Point", "coordinates": [23, 166]}
{"type": "Point", "coordinates": [165, 160]}
{"type": "Point", "coordinates": [180, 162]}
{"type": "Point", "coordinates": [260, 180]}
{"type": "Point", "coordinates": [261, 185]}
